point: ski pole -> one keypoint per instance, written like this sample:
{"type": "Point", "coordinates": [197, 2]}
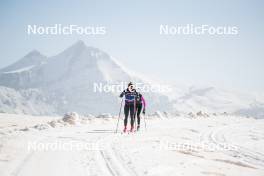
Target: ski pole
{"type": "Point", "coordinates": [145, 122]}
{"type": "Point", "coordinates": [119, 115]}
{"type": "Point", "coordinates": [135, 111]}
{"type": "Point", "coordinates": [135, 118]}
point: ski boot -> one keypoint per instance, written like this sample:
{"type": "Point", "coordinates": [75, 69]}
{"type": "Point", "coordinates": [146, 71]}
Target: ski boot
{"type": "Point", "coordinates": [125, 129]}
{"type": "Point", "coordinates": [132, 129]}
{"type": "Point", "coordinates": [138, 127]}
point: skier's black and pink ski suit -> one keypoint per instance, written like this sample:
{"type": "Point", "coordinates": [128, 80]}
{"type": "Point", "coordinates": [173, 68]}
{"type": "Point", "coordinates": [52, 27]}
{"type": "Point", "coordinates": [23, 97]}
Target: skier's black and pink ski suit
{"type": "Point", "coordinates": [133, 104]}
{"type": "Point", "coordinates": [130, 104]}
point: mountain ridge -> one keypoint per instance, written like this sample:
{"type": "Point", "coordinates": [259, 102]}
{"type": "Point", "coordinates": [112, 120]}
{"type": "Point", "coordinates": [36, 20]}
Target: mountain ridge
{"type": "Point", "coordinates": [66, 81]}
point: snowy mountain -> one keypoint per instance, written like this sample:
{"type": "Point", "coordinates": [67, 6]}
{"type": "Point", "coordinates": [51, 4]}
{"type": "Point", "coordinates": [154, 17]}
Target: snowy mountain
{"type": "Point", "coordinates": [42, 85]}
{"type": "Point", "coordinates": [34, 58]}
{"type": "Point", "coordinates": [65, 82]}
{"type": "Point", "coordinates": [18, 74]}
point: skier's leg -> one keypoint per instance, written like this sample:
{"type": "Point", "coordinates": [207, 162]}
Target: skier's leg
{"type": "Point", "coordinates": [139, 108]}
{"type": "Point", "coordinates": [126, 111]}
{"type": "Point", "coordinates": [131, 108]}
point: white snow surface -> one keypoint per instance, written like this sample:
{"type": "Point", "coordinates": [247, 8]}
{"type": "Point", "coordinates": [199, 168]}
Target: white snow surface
{"type": "Point", "coordinates": [150, 152]}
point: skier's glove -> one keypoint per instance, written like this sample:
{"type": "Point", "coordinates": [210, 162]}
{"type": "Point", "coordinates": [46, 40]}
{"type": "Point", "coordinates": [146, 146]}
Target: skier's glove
{"type": "Point", "coordinates": [122, 94]}
{"type": "Point", "coordinates": [144, 111]}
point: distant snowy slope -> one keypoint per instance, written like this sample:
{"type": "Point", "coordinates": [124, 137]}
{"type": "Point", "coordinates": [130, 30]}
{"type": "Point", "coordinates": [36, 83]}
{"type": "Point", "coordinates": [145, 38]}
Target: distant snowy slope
{"type": "Point", "coordinates": [211, 99]}
{"type": "Point", "coordinates": [29, 101]}
{"type": "Point", "coordinates": [19, 74]}
{"type": "Point", "coordinates": [34, 58]}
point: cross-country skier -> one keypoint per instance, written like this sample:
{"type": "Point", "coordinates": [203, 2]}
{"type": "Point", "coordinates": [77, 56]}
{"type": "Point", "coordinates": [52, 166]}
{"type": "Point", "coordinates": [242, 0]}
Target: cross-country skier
{"type": "Point", "coordinates": [130, 103]}
{"type": "Point", "coordinates": [140, 103]}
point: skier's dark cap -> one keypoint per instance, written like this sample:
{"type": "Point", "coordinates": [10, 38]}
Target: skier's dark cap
{"type": "Point", "coordinates": [130, 84]}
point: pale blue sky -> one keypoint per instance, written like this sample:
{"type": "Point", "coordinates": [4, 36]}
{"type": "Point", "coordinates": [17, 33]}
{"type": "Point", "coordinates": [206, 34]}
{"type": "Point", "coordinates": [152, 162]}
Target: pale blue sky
{"type": "Point", "coordinates": [133, 37]}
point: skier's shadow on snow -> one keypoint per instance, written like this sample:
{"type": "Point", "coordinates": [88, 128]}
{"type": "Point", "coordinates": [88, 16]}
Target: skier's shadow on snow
{"type": "Point", "coordinates": [101, 131]}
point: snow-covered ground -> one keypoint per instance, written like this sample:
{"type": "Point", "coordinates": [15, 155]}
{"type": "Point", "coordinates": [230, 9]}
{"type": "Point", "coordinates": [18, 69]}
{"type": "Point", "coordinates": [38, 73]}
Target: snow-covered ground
{"type": "Point", "coordinates": [208, 146]}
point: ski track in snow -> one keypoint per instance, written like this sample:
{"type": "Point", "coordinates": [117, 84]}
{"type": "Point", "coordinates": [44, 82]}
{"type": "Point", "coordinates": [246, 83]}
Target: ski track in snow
{"type": "Point", "coordinates": [108, 161]}
{"type": "Point", "coordinates": [115, 166]}
{"type": "Point", "coordinates": [218, 137]}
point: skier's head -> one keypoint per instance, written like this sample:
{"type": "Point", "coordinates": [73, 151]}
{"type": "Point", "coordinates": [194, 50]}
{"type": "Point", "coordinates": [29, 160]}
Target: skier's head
{"type": "Point", "coordinates": [130, 86]}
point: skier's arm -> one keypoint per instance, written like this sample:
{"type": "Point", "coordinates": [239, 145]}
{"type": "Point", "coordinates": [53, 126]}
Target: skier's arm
{"type": "Point", "coordinates": [122, 94]}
